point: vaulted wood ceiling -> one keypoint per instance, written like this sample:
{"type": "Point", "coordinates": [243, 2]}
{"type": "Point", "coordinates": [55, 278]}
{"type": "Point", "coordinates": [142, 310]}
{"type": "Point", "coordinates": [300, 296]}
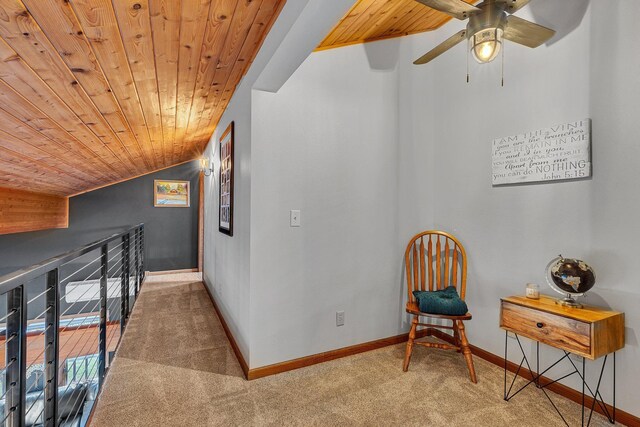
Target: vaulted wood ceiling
{"type": "Point", "coordinates": [96, 91]}
{"type": "Point", "coordinates": [370, 20]}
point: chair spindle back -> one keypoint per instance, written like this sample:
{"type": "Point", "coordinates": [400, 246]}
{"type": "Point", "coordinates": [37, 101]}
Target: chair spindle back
{"type": "Point", "coordinates": [450, 263]}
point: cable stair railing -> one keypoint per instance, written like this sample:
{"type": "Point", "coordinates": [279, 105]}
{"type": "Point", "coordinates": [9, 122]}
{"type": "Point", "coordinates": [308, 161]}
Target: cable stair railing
{"type": "Point", "coordinates": [60, 323]}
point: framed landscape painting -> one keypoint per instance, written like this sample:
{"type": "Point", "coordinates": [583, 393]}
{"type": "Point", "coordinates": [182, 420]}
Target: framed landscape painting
{"type": "Point", "coordinates": [171, 194]}
{"type": "Point", "coordinates": [225, 222]}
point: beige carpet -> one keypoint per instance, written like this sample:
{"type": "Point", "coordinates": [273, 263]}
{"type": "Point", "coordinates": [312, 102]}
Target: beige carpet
{"type": "Point", "coordinates": [175, 368]}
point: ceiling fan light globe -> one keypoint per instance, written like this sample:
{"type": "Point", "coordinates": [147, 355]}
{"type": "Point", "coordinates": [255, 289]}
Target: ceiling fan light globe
{"type": "Point", "coordinates": [486, 51]}
{"type": "Point", "coordinates": [486, 44]}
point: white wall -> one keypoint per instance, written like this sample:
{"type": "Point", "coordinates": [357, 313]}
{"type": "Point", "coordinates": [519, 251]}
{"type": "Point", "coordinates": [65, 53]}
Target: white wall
{"type": "Point", "coordinates": [510, 233]}
{"type": "Point", "coordinates": [298, 29]}
{"type": "Point", "coordinates": [325, 144]}
{"type": "Point", "coordinates": [373, 149]}
{"type": "Point", "coordinates": [226, 259]}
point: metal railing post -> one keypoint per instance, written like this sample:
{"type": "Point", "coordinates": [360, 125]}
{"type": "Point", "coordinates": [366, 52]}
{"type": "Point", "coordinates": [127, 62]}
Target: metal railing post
{"type": "Point", "coordinates": [102, 353]}
{"type": "Point", "coordinates": [16, 357]}
{"type": "Point", "coordinates": [133, 268]}
{"type": "Point", "coordinates": [51, 335]}
{"type": "Point", "coordinates": [124, 283]}
{"type": "Point", "coordinates": [137, 261]}
{"type": "Point", "coordinates": [142, 253]}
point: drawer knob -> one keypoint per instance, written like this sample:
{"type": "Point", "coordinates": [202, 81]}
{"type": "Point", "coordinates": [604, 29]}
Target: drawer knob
{"type": "Point", "coordinates": [539, 324]}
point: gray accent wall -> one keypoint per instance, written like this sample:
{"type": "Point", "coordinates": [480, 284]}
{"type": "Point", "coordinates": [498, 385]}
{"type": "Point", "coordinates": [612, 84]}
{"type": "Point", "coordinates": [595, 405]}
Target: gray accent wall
{"type": "Point", "coordinates": [171, 233]}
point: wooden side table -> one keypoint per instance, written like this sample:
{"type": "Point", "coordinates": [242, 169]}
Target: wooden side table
{"type": "Point", "coordinates": [590, 332]}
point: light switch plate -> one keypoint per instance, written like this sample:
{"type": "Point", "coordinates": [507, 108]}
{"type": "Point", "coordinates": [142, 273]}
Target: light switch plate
{"type": "Point", "coordinates": [295, 218]}
{"type": "Point", "coordinates": [339, 318]}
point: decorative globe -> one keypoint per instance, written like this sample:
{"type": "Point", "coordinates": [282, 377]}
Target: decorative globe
{"type": "Point", "coordinates": [570, 277]}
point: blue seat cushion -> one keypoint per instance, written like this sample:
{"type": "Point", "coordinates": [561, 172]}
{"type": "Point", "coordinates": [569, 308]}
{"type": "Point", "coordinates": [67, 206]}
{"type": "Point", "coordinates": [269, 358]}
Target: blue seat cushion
{"type": "Point", "coordinates": [444, 301]}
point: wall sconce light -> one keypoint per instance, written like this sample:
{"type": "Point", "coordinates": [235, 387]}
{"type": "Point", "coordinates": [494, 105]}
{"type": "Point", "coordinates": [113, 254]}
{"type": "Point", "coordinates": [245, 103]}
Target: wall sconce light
{"type": "Point", "coordinates": [206, 167]}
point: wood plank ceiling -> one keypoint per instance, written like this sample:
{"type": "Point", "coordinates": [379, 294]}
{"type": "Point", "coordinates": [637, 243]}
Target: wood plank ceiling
{"type": "Point", "coordinates": [93, 92]}
{"type": "Point", "coordinates": [371, 20]}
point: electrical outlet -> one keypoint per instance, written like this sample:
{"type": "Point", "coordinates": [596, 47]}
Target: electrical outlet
{"type": "Point", "coordinates": [339, 318]}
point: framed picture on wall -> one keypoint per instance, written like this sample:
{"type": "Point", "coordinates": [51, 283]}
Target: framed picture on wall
{"type": "Point", "coordinates": [225, 222]}
{"type": "Point", "coordinates": [171, 194]}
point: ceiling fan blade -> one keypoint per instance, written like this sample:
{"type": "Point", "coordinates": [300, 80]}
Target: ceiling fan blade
{"type": "Point", "coordinates": [515, 5]}
{"type": "Point", "coordinates": [442, 47]}
{"type": "Point", "coordinates": [525, 32]}
{"type": "Point", "coordinates": [456, 8]}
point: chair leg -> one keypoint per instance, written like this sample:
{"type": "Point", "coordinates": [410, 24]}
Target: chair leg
{"type": "Point", "coordinates": [412, 337]}
{"type": "Point", "coordinates": [456, 336]}
{"type": "Point", "coordinates": [466, 351]}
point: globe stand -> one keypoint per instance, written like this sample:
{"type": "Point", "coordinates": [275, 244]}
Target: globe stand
{"type": "Point", "coordinates": [569, 301]}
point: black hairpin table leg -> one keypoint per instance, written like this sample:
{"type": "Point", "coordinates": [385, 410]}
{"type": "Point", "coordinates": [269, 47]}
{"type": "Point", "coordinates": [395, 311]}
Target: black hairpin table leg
{"type": "Point", "coordinates": [535, 379]}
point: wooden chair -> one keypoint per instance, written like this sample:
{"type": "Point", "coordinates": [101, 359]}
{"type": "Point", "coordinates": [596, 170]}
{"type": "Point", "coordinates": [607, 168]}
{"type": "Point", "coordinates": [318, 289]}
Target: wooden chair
{"type": "Point", "coordinates": [450, 265]}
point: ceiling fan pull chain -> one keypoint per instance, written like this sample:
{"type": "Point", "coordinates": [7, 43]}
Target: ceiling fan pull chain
{"type": "Point", "coordinates": [467, 50]}
{"type": "Point", "coordinates": [502, 65]}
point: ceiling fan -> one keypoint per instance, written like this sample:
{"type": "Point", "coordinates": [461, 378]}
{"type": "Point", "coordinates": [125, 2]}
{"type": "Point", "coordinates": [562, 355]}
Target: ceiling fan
{"type": "Point", "coordinates": [489, 23]}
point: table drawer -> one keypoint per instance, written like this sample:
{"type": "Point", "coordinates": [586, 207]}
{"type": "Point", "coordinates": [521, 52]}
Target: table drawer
{"type": "Point", "coordinates": [557, 331]}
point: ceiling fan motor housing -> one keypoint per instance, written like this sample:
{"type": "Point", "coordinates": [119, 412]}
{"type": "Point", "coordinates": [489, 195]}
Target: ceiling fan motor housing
{"type": "Point", "coordinates": [493, 15]}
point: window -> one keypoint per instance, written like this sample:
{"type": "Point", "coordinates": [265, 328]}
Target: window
{"type": "Point", "coordinates": [81, 368]}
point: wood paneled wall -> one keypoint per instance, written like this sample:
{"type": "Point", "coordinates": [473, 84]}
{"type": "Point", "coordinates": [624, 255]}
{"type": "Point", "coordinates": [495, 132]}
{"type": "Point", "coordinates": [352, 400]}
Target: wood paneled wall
{"type": "Point", "coordinates": [26, 211]}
